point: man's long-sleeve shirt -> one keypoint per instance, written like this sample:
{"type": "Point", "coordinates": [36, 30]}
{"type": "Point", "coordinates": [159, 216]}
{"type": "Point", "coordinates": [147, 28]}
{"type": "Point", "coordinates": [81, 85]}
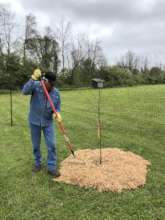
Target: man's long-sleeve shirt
{"type": "Point", "coordinates": [40, 110]}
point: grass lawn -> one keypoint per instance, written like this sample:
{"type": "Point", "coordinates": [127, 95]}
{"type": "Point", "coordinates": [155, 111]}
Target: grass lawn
{"type": "Point", "coordinates": [133, 119]}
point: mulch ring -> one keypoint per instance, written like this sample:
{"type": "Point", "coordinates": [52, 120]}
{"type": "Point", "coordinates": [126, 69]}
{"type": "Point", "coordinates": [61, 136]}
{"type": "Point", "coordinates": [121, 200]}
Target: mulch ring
{"type": "Point", "coordinates": [119, 170]}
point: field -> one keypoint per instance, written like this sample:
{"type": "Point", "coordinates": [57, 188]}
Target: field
{"type": "Point", "coordinates": [133, 119]}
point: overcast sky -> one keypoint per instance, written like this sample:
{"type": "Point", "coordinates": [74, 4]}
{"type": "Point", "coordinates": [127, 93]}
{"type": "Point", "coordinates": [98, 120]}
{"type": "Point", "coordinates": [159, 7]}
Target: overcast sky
{"type": "Point", "coordinates": [121, 25]}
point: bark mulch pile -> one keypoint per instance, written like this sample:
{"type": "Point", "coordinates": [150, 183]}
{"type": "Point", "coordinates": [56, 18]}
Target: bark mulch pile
{"type": "Point", "coordinates": [119, 170]}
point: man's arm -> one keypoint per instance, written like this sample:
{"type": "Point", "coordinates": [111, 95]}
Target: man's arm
{"type": "Point", "coordinates": [31, 84]}
{"type": "Point", "coordinates": [28, 88]}
{"type": "Point", "coordinates": [58, 103]}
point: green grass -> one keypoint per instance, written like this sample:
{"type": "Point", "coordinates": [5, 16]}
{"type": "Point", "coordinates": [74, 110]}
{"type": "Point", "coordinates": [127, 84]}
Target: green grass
{"type": "Point", "coordinates": [133, 119]}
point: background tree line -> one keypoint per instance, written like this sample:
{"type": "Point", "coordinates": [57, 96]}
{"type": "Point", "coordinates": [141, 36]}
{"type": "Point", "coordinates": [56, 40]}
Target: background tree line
{"type": "Point", "coordinates": [74, 58]}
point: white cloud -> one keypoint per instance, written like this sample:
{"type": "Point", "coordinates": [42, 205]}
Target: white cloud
{"type": "Point", "coordinates": [120, 25]}
{"type": "Point", "coordinates": [145, 6]}
{"type": "Point", "coordinates": [14, 5]}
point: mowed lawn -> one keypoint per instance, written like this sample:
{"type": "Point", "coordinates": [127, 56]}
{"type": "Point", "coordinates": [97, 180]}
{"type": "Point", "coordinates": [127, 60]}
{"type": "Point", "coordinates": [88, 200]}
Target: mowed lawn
{"type": "Point", "coordinates": [133, 119]}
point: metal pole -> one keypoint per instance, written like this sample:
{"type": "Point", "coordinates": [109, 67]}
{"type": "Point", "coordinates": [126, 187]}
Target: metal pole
{"type": "Point", "coordinates": [11, 108]}
{"type": "Point", "coordinates": [99, 124]}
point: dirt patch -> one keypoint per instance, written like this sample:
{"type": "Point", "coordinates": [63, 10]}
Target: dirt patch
{"type": "Point", "coordinates": [119, 170]}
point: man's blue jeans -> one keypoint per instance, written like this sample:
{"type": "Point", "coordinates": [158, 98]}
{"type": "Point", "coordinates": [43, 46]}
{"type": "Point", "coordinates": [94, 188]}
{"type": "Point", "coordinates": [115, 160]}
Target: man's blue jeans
{"type": "Point", "coordinates": [49, 136]}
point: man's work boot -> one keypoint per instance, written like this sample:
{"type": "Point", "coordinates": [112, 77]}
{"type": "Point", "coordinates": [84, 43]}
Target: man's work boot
{"type": "Point", "coordinates": [36, 168]}
{"type": "Point", "coordinates": [54, 173]}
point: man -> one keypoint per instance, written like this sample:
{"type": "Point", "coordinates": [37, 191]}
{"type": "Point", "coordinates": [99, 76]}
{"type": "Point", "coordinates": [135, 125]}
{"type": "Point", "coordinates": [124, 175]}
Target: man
{"type": "Point", "coordinates": [41, 118]}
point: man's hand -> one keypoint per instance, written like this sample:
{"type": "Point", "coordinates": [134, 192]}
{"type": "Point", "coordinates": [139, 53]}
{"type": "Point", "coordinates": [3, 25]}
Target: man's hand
{"type": "Point", "coordinates": [57, 117]}
{"type": "Point", "coordinates": [36, 74]}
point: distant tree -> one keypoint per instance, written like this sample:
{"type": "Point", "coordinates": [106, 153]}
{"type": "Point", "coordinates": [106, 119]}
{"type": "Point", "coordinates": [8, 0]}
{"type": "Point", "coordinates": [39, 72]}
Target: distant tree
{"type": "Point", "coordinates": [135, 71]}
{"type": "Point", "coordinates": [155, 75]}
{"type": "Point", "coordinates": [117, 76]}
{"type": "Point", "coordinates": [145, 66]}
{"type": "Point", "coordinates": [7, 25]}
{"type": "Point", "coordinates": [7, 40]}
{"type": "Point", "coordinates": [129, 61]}
{"type": "Point", "coordinates": [63, 33]}
{"type": "Point", "coordinates": [65, 78]}
{"type": "Point", "coordinates": [87, 56]}
{"type": "Point", "coordinates": [30, 31]}
{"type": "Point", "coordinates": [88, 70]}
{"type": "Point", "coordinates": [44, 50]}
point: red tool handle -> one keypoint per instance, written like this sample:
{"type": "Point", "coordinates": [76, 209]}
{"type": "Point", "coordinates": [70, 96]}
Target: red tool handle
{"type": "Point", "coordinates": [55, 112]}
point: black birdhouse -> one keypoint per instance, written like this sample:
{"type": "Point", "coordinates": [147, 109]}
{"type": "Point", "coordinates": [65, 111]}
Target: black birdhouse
{"type": "Point", "coordinates": [97, 83]}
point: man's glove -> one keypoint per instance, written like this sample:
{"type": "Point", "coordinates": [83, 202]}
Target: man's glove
{"type": "Point", "coordinates": [36, 74]}
{"type": "Point", "coordinates": [57, 117]}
